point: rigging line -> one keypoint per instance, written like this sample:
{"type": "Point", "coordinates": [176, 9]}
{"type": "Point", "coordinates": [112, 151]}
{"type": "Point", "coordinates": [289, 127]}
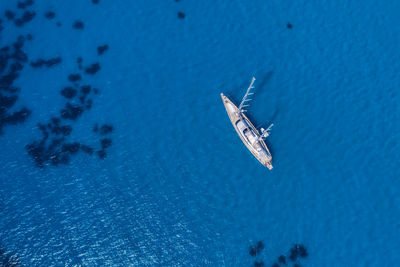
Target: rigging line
{"type": "Point", "coordinates": [242, 104]}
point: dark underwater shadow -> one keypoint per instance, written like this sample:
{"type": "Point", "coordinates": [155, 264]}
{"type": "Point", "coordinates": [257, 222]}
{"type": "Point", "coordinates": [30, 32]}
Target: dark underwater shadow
{"type": "Point", "coordinates": [263, 81]}
{"type": "Point", "coordinates": [258, 85]}
{"type": "Point", "coordinates": [8, 259]}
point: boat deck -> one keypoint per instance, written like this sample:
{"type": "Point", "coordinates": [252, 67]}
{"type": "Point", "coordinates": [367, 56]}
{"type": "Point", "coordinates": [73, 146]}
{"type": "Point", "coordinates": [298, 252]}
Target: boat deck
{"type": "Point", "coordinates": [232, 109]}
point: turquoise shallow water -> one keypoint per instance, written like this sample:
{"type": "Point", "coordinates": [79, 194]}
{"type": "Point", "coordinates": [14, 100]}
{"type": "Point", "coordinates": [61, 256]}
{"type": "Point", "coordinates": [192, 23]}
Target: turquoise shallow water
{"type": "Point", "coordinates": [176, 187]}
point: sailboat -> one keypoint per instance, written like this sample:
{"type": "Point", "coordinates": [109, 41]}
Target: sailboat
{"type": "Point", "coordinates": [250, 136]}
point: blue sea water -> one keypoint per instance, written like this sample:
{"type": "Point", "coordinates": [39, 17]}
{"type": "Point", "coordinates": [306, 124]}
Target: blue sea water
{"type": "Point", "coordinates": [177, 187]}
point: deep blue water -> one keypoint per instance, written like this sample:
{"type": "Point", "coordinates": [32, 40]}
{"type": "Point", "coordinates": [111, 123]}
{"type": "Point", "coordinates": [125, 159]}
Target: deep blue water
{"type": "Point", "coordinates": [176, 187]}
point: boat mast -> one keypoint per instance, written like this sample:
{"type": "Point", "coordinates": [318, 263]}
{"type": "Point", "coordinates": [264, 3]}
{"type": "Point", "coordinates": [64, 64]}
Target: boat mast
{"type": "Point", "coordinates": [244, 100]}
{"type": "Point", "coordinates": [265, 133]}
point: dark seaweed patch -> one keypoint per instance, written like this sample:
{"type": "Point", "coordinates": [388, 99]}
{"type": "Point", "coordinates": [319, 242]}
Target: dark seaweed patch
{"type": "Point", "coordinates": [282, 259]}
{"type": "Point", "coordinates": [298, 251]}
{"type": "Point", "coordinates": [58, 24]}
{"type": "Point", "coordinates": [7, 102]}
{"type": "Point", "coordinates": [74, 77]}
{"type": "Point", "coordinates": [78, 25]}
{"type": "Point", "coordinates": [101, 49]}
{"type": "Point", "coordinates": [79, 62]}
{"type": "Point", "coordinates": [64, 130]}
{"type": "Point", "coordinates": [17, 116]}
{"type": "Point", "coordinates": [289, 26]}
{"type": "Point", "coordinates": [16, 67]}
{"type": "Point", "coordinates": [105, 143]}
{"type": "Point", "coordinates": [296, 254]}
{"type": "Point", "coordinates": [71, 148]}
{"type": "Point", "coordinates": [26, 17]}
{"type": "Point", "coordinates": [12, 60]}
{"type": "Point", "coordinates": [71, 111]}
{"type": "Point", "coordinates": [87, 149]}
{"type": "Point", "coordinates": [82, 99]}
{"type": "Point", "coordinates": [25, 4]}
{"type": "Point", "coordinates": [47, 63]}
{"type": "Point", "coordinates": [92, 69]}
{"type": "Point", "coordinates": [50, 15]}
{"type": "Point", "coordinates": [255, 250]}
{"type": "Point", "coordinates": [181, 15]}
{"type": "Point", "coordinates": [102, 154]}
{"type": "Point", "coordinates": [29, 36]}
{"type": "Point", "coordinates": [258, 264]}
{"type": "Point", "coordinates": [54, 147]}
{"type": "Point", "coordinates": [88, 104]}
{"type": "Point", "coordinates": [68, 92]}
{"type": "Point", "coordinates": [85, 89]}
{"type": "Point", "coordinates": [9, 14]}
{"type": "Point", "coordinates": [95, 1]}
{"type": "Point", "coordinates": [106, 129]}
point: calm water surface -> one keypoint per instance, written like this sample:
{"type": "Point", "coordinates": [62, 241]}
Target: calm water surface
{"type": "Point", "coordinates": [116, 149]}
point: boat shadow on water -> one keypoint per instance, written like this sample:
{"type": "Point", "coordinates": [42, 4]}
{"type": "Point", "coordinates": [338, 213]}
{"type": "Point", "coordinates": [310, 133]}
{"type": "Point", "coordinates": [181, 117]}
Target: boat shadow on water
{"type": "Point", "coordinates": [261, 83]}
{"type": "Point", "coordinates": [260, 88]}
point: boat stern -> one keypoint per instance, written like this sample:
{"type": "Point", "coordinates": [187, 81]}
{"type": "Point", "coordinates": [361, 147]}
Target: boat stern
{"type": "Point", "coordinates": [268, 165]}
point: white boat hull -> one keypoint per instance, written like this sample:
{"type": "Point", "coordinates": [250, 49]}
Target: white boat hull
{"type": "Point", "coordinates": [257, 145]}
